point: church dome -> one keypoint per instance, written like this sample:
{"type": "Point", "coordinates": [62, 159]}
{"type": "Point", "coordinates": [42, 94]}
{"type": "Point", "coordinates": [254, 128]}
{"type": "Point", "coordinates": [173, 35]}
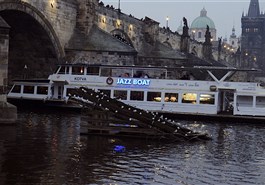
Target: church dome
{"type": "Point", "coordinates": [202, 21]}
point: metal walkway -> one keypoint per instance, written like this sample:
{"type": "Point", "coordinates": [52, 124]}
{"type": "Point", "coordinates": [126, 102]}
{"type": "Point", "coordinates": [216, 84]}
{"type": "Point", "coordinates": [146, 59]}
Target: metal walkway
{"type": "Point", "coordinates": [162, 126]}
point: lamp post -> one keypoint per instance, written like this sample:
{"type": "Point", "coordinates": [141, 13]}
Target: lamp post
{"type": "Point", "coordinates": [167, 18]}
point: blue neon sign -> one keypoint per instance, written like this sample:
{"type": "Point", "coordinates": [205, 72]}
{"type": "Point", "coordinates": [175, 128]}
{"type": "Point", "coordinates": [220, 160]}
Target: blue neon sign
{"type": "Point", "coordinates": [129, 81]}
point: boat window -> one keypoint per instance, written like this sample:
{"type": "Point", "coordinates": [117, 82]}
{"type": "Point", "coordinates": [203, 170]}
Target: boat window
{"type": "Point", "coordinates": [28, 89]}
{"type": "Point", "coordinates": [120, 94]}
{"type": "Point", "coordinates": [189, 98]}
{"type": "Point", "coordinates": [67, 70]}
{"type": "Point", "coordinates": [106, 72]}
{"type": "Point", "coordinates": [260, 101]}
{"type": "Point", "coordinates": [137, 95]}
{"type": "Point", "coordinates": [121, 72]}
{"type": "Point", "coordinates": [141, 74]}
{"type": "Point", "coordinates": [244, 101]}
{"type": "Point", "coordinates": [16, 89]}
{"type": "Point", "coordinates": [77, 70]}
{"type": "Point", "coordinates": [171, 97]}
{"type": "Point", "coordinates": [106, 92]}
{"type": "Point", "coordinates": [93, 71]}
{"type": "Point", "coordinates": [57, 69]}
{"type": "Point", "coordinates": [42, 90]}
{"type": "Point", "coordinates": [154, 96]}
{"type": "Point", "coordinates": [207, 99]}
{"type": "Point", "coordinates": [62, 70]}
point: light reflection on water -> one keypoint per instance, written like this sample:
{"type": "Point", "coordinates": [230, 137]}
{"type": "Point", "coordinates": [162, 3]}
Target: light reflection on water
{"type": "Point", "coordinates": [46, 148]}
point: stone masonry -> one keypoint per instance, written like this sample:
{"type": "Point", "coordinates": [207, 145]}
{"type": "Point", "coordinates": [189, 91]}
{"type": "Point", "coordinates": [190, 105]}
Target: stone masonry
{"type": "Point", "coordinates": [4, 45]}
{"type": "Point", "coordinates": [91, 32]}
{"type": "Point", "coordinates": [8, 112]}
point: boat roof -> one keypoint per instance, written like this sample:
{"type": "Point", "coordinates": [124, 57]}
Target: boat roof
{"type": "Point", "coordinates": [216, 68]}
{"type": "Point", "coordinates": [32, 80]}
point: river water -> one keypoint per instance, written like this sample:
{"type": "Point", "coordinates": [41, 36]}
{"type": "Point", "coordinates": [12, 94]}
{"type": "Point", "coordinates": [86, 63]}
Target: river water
{"type": "Point", "coordinates": [46, 148]}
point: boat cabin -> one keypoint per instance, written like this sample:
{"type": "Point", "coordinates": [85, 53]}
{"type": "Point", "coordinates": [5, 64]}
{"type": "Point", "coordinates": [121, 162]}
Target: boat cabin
{"type": "Point", "coordinates": [160, 89]}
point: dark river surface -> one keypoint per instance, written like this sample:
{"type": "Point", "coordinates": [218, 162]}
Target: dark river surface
{"type": "Point", "coordinates": [47, 148]}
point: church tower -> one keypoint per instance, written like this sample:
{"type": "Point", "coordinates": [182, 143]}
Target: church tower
{"type": "Point", "coordinates": [233, 40]}
{"type": "Point", "coordinates": [252, 43]}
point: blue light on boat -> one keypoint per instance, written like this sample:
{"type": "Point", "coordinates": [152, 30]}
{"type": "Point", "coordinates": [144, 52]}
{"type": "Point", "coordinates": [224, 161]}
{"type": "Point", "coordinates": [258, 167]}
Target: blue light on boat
{"type": "Point", "coordinates": [119, 148]}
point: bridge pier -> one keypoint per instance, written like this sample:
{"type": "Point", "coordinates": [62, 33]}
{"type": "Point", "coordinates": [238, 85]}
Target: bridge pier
{"type": "Point", "coordinates": [8, 112]}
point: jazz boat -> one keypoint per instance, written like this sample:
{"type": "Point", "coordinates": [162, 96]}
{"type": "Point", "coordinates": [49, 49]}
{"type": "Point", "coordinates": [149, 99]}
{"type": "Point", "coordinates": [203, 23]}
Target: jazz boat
{"type": "Point", "coordinates": [156, 92]}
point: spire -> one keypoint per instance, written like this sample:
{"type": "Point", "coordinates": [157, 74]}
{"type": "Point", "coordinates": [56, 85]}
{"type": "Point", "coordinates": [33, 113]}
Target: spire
{"type": "Point", "coordinates": [233, 32]}
{"type": "Point", "coordinates": [203, 12]}
{"type": "Point", "coordinates": [253, 10]}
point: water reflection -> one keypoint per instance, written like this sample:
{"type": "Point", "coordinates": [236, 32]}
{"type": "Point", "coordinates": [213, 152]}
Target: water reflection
{"type": "Point", "coordinates": [46, 148]}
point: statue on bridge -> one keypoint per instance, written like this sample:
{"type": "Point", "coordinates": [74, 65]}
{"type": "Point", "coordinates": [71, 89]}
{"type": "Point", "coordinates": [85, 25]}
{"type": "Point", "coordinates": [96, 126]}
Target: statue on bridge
{"type": "Point", "coordinates": [207, 45]}
{"type": "Point", "coordinates": [185, 27]}
{"type": "Point", "coordinates": [184, 45]}
{"type": "Point", "coordinates": [208, 36]}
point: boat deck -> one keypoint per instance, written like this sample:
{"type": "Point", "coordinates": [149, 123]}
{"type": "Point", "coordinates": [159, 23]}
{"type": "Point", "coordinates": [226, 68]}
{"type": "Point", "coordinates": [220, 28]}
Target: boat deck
{"type": "Point", "coordinates": [222, 117]}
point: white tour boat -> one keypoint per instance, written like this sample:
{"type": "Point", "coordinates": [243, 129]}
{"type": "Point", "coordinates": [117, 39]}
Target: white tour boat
{"type": "Point", "coordinates": [148, 88]}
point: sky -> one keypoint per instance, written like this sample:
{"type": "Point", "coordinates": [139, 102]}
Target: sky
{"type": "Point", "coordinates": [224, 13]}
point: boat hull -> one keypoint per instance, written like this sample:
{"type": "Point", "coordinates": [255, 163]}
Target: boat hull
{"type": "Point", "coordinates": [41, 104]}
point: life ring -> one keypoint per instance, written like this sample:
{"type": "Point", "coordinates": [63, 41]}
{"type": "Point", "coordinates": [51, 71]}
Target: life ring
{"type": "Point", "coordinates": [109, 81]}
{"type": "Point", "coordinates": [213, 88]}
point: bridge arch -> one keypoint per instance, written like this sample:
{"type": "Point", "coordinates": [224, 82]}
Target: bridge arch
{"type": "Point", "coordinates": [34, 47]}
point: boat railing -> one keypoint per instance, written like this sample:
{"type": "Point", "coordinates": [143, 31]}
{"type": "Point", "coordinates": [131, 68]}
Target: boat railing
{"type": "Point", "coordinates": [154, 72]}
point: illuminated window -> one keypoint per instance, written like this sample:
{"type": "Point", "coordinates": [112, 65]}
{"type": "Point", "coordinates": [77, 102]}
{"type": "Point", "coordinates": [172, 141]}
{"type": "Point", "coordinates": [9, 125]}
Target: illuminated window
{"type": "Point", "coordinates": [77, 70]}
{"type": "Point", "coordinates": [256, 30]}
{"type": "Point", "coordinates": [120, 94]}
{"type": "Point", "coordinates": [16, 89]}
{"type": "Point", "coordinates": [207, 99]}
{"type": "Point", "coordinates": [189, 98]}
{"type": "Point", "coordinates": [137, 95]}
{"type": "Point", "coordinates": [171, 97]}
{"type": "Point", "coordinates": [154, 96]}
{"type": "Point", "coordinates": [247, 29]}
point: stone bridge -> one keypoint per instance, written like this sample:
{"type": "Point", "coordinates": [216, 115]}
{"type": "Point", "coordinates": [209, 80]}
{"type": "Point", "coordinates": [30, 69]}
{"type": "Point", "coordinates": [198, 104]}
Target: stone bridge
{"type": "Point", "coordinates": [35, 35]}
